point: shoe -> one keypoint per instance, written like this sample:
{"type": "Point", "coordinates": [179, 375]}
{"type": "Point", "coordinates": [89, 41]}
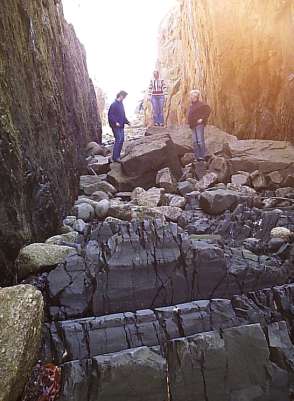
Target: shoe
{"type": "Point", "coordinates": [117, 161]}
{"type": "Point", "coordinates": [162, 125]}
{"type": "Point", "coordinates": [156, 125]}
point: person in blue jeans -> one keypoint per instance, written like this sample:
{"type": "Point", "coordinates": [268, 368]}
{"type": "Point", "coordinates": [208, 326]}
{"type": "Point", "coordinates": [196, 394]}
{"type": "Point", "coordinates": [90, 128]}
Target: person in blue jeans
{"type": "Point", "coordinates": [157, 95]}
{"type": "Point", "coordinates": [197, 119]}
{"type": "Point", "coordinates": [117, 120]}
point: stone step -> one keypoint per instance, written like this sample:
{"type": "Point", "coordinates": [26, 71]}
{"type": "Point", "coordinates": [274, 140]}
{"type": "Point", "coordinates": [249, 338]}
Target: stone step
{"type": "Point", "coordinates": [231, 364]}
{"type": "Point", "coordinates": [89, 337]}
{"type": "Point", "coordinates": [134, 266]}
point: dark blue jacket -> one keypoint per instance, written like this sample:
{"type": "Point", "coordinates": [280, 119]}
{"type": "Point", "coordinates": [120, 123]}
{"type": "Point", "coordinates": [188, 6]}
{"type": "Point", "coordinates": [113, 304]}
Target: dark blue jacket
{"type": "Point", "coordinates": [116, 114]}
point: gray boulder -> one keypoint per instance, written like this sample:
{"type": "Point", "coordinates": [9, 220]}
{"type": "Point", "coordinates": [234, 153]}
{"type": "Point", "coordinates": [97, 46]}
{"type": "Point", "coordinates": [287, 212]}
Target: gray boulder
{"type": "Point", "coordinates": [35, 257]}
{"type": "Point", "coordinates": [217, 201]}
{"type": "Point", "coordinates": [102, 208]}
{"type": "Point", "coordinates": [84, 211]}
{"type": "Point", "coordinates": [99, 164]}
{"type": "Point", "coordinates": [90, 184]}
{"type": "Point", "coordinates": [166, 180]}
{"type": "Point", "coordinates": [62, 239]}
{"type": "Point", "coordinates": [21, 316]}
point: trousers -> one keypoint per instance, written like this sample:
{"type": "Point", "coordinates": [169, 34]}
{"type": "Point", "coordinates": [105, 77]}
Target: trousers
{"type": "Point", "coordinates": [199, 142]}
{"type": "Point", "coordinates": [119, 137]}
{"type": "Point", "coordinates": [157, 105]}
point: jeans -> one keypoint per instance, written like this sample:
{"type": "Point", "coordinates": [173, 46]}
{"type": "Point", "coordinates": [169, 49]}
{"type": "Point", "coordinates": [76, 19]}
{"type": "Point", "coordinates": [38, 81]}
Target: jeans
{"type": "Point", "coordinates": [199, 142]}
{"type": "Point", "coordinates": [119, 136]}
{"type": "Point", "coordinates": [158, 104]}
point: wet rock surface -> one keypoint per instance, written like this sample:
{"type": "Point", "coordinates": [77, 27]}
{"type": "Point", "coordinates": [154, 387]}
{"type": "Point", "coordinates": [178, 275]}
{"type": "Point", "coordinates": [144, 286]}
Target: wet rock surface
{"type": "Point", "coordinates": [183, 286]}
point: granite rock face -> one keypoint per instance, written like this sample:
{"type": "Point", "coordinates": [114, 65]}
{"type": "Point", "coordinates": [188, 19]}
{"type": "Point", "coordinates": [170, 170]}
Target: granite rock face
{"type": "Point", "coordinates": [48, 113]}
{"type": "Point", "coordinates": [240, 55]}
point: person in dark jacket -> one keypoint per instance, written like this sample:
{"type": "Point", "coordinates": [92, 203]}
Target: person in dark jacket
{"type": "Point", "coordinates": [197, 119]}
{"type": "Point", "coordinates": [117, 120]}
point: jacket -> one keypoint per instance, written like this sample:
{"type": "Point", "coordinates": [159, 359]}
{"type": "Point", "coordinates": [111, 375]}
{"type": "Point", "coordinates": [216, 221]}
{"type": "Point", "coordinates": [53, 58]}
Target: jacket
{"type": "Point", "coordinates": [198, 110]}
{"type": "Point", "coordinates": [116, 114]}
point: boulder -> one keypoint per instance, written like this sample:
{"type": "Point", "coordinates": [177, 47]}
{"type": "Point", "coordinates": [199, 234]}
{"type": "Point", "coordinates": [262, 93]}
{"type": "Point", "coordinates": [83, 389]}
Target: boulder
{"type": "Point", "coordinates": [275, 179]}
{"type": "Point", "coordinates": [36, 257]}
{"type": "Point", "coordinates": [150, 198]}
{"type": "Point", "coordinates": [120, 211]}
{"type": "Point", "coordinates": [125, 183]}
{"type": "Point", "coordinates": [221, 167]}
{"type": "Point", "coordinates": [258, 180]}
{"type": "Point", "coordinates": [80, 226]}
{"type": "Point", "coordinates": [143, 158]}
{"type": "Point", "coordinates": [69, 220]}
{"type": "Point", "coordinates": [215, 138]}
{"type": "Point", "coordinates": [289, 180]}
{"type": "Point", "coordinates": [99, 195]}
{"type": "Point", "coordinates": [102, 208]}
{"type": "Point", "coordinates": [207, 181]}
{"type": "Point", "coordinates": [99, 164]}
{"type": "Point", "coordinates": [184, 187]}
{"type": "Point", "coordinates": [217, 201]}
{"type": "Point", "coordinates": [281, 232]}
{"type": "Point", "coordinates": [177, 201]}
{"type": "Point", "coordinates": [105, 186]}
{"type": "Point", "coordinates": [240, 178]}
{"type": "Point", "coordinates": [243, 189]}
{"type": "Point", "coordinates": [94, 148]}
{"type": "Point", "coordinates": [171, 213]}
{"type": "Point", "coordinates": [21, 317]}
{"type": "Point", "coordinates": [285, 192]}
{"type": "Point", "coordinates": [88, 183]}
{"type": "Point", "coordinates": [265, 156]}
{"type": "Point", "coordinates": [166, 180]}
{"type": "Point", "coordinates": [143, 213]}
{"type": "Point", "coordinates": [62, 239]}
{"type": "Point", "coordinates": [84, 211]}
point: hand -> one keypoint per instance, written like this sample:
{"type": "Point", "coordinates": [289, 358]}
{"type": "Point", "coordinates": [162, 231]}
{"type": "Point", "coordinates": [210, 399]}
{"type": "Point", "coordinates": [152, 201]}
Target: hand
{"type": "Point", "coordinates": [117, 124]}
{"type": "Point", "coordinates": [129, 124]}
{"type": "Point", "coordinates": [200, 121]}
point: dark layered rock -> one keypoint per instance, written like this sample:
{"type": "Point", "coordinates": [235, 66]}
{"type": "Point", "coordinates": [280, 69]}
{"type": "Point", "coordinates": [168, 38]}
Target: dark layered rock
{"type": "Point", "coordinates": [48, 114]}
{"type": "Point", "coordinates": [217, 366]}
{"type": "Point", "coordinates": [88, 337]}
{"type": "Point", "coordinates": [130, 266]}
{"type": "Point", "coordinates": [135, 374]}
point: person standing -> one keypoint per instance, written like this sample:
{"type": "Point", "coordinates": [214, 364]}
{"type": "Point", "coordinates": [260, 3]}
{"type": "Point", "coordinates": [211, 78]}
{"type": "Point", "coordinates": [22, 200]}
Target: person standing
{"type": "Point", "coordinates": [157, 95]}
{"type": "Point", "coordinates": [117, 120]}
{"type": "Point", "coordinates": [197, 119]}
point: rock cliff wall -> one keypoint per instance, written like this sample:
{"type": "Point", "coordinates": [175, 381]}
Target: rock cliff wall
{"type": "Point", "coordinates": [48, 112]}
{"type": "Point", "coordinates": [240, 55]}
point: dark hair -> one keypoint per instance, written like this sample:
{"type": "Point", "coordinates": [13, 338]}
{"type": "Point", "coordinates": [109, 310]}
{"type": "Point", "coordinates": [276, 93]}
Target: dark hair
{"type": "Point", "coordinates": [121, 93]}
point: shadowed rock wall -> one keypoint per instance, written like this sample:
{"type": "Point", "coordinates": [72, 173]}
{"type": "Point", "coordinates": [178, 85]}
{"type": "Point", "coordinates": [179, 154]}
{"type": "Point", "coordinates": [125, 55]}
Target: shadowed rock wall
{"type": "Point", "coordinates": [240, 55]}
{"type": "Point", "coordinates": [48, 112]}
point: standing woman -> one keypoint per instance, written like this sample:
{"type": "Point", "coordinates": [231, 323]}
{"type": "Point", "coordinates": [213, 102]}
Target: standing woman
{"type": "Point", "coordinates": [117, 120]}
{"type": "Point", "coordinates": [197, 119]}
{"type": "Point", "coordinates": [157, 95]}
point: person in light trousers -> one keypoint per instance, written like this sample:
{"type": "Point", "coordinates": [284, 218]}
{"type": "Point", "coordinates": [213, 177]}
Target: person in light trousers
{"type": "Point", "coordinates": [197, 119]}
{"type": "Point", "coordinates": [157, 96]}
